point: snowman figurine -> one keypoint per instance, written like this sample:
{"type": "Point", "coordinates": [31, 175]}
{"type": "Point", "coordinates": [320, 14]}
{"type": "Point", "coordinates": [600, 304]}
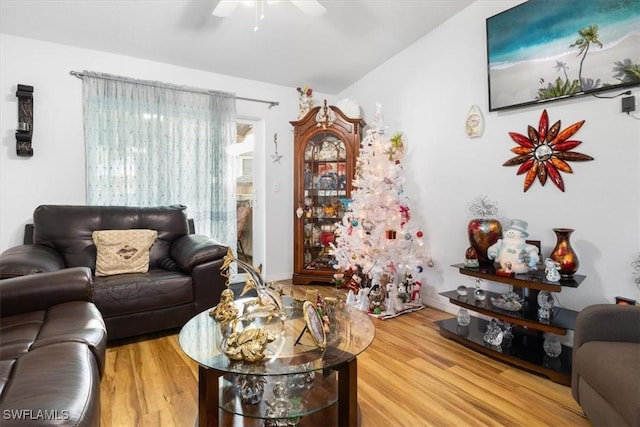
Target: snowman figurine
{"type": "Point", "coordinates": [363, 299]}
{"type": "Point", "coordinates": [392, 293]}
{"type": "Point", "coordinates": [551, 270]}
{"type": "Point", "coordinates": [512, 252]}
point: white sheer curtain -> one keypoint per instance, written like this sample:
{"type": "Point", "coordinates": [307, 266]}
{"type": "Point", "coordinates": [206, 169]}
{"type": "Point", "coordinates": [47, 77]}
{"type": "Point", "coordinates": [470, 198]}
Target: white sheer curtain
{"type": "Point", "coordinates": [151, 144]}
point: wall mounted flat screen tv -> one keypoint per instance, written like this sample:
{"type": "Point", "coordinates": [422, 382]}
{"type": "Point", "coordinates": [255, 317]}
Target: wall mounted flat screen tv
{"type": "Point", "coordinates": [545, 50]}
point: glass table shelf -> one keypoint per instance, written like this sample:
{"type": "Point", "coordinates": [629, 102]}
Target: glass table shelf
{"type": "Point", "coordinates": [333, 369]}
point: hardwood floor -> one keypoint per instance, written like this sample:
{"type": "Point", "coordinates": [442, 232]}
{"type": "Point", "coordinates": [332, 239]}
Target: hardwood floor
{"type": "Point", "coordinates": [409, 377]}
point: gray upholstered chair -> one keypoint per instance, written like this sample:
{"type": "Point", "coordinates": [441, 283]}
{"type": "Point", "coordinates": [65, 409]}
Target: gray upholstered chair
{"type": "Point", "coordinates": [606, 364]}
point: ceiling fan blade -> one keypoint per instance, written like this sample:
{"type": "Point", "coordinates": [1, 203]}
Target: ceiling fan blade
{"type": "Point", "coordinates": [225, 8]}
{"type": "Point", "coordinates": [310, 7]}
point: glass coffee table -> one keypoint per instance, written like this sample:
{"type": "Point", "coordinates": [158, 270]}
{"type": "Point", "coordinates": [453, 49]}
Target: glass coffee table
{"type": "Point", "coordinates": [296, 379]}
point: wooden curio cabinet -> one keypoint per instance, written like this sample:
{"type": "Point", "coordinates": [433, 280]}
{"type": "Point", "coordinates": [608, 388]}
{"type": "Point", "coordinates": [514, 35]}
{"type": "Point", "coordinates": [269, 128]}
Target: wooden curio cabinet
{"type": "Point", "coordinates": [326, 144]}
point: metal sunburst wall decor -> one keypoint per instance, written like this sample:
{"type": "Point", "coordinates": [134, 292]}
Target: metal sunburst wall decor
{"type": "Point", "coordinates": [544, 153]}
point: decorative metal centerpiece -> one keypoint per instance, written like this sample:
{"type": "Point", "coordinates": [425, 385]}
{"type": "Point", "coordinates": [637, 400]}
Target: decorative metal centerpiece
{"type": "Point", "coordinates": [248, 328]}
{"type": "Point", "coordinates": [545, 152]}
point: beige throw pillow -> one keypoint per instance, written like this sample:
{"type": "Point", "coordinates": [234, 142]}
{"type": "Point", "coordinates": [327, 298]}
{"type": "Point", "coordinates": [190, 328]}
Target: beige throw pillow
{"type": "Point", "coordinates": [123, 251]}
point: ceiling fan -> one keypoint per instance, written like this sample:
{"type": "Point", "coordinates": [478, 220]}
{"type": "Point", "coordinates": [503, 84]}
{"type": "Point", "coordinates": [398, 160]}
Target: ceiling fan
{"type": "Point", "coordinates": [311, 8]}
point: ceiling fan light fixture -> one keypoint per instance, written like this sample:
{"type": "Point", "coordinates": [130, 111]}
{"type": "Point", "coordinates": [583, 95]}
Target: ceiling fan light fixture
{"type": "Point", "coordinates": [310, 8]}
{"type": "Point", "coordinates": [225, 8]}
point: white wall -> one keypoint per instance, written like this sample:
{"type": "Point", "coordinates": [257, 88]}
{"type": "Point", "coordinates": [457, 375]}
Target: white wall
{"type": "Point", "coordinates": [56, 172]}
{"type": "Point", "coordinates": [426, 92]}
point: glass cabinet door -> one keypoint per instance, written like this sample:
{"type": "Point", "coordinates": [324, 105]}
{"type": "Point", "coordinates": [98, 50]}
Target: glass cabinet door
{"type": "Point", "coordinates": [326, 145]}
{"type": "Point", "coordinates": [326, 189]}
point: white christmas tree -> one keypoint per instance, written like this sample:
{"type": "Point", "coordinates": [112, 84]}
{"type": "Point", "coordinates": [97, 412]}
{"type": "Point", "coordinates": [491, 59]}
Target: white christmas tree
{"type": "Point", "coordinates": [376, 236]}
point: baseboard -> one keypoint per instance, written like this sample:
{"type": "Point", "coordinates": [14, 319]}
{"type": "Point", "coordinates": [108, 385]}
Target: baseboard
{"type": "Point", "coordinates": [279, 277]}
{"type": "Point", "coordinates": [439, 304]}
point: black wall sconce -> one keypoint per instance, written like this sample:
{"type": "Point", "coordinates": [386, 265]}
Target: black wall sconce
{"type": "Point", "coordinates": [25, 121]}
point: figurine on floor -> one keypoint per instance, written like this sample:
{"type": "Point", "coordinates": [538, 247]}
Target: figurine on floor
{"type": "Point", "coordinates": [352, 299]}
{"type": "Point", "coordinates": [363, 299]}
{"type": "Point", "coordinates": [377, 299]}
{"type": "Point", "coordinates": [397, 296]}
{"type": "Point", "coordinates": [416, 298]}
{"type": "Point", "coordinates": [392, 293]}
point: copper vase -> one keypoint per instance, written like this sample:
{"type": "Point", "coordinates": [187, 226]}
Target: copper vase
{"type": "Point", "coordinates": [484, 232]}
{"type": "Point", "coordinates": [564, 254]}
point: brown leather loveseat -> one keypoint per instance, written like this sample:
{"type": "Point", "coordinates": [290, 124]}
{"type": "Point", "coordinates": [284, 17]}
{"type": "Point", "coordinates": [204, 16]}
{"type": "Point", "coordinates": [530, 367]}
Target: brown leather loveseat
{"type": "Point", "coordinates": [184, 269]}
{"type": "Point", "coordinates": [52, 350]}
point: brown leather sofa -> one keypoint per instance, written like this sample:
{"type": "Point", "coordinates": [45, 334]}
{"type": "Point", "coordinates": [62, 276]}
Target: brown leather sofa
{"type": "Point", "coordinates": [52, 350]}
{"type": "Point", "coordinates": [184, 269]}
{"type": "Point", "coordinates": [605, 379]}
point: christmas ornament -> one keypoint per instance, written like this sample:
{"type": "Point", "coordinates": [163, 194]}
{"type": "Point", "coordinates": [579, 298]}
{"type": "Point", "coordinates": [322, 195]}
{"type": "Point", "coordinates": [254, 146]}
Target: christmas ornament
{"type": "Point", "coordinates": [276, 157]}
{"type": "Point", "coordinates": [471, 258]}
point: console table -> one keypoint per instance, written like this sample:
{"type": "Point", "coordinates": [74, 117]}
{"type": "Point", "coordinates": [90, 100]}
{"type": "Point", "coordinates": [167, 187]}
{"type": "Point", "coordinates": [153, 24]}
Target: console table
{"type": "Point", "coordinates": [526, 348]}
{"type": "Point", "coordinates": [333, 370]}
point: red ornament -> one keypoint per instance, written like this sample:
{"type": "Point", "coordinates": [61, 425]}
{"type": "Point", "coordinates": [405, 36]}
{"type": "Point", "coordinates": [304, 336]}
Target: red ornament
{"type": "Point", "coordinates": [420, 233]}
{"type": "Point", "coordinates": [404, 214]}
{"type": "Point", "coordinates": [326, 238]}
{"type": "Point", "coordinates": [471, 253]}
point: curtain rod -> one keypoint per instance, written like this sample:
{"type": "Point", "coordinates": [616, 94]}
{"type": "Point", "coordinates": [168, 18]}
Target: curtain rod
{"type": "Point", "coordinates": [272, 104]}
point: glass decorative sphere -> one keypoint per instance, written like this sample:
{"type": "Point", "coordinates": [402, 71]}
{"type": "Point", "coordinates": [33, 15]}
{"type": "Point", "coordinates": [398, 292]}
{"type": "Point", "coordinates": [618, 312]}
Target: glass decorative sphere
{"type": "Point", "coordinates": [494, 334]}
{"type": "Point", "coordinates": [545, 299]}
{"type": "Point", "coordinates": [552, 346]}
{"type": "Point", "coordinates": [480, 295]}
{"type": "Point", "coordinates": [462, 290]}
{"type": "Point", "coordinates": [463, 317]}
{"type": "Point", "coordinates": [545, 303]}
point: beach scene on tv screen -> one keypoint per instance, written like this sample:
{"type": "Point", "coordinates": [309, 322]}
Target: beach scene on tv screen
{"type": "Point", "coordinates": [548, 49]}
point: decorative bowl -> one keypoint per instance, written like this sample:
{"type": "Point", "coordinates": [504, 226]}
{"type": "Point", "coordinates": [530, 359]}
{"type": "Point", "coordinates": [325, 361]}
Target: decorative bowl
{"type": "Point", "coordinates": [510, 301]}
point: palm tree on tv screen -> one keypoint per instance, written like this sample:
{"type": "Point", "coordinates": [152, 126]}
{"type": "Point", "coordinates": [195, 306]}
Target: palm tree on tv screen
{"type": "Point", "coordinates": [588, 36]}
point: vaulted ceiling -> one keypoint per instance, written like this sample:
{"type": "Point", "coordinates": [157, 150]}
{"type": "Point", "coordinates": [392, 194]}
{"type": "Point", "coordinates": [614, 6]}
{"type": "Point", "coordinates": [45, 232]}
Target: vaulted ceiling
{"type": "Point", "coordinates": [327, 53]}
